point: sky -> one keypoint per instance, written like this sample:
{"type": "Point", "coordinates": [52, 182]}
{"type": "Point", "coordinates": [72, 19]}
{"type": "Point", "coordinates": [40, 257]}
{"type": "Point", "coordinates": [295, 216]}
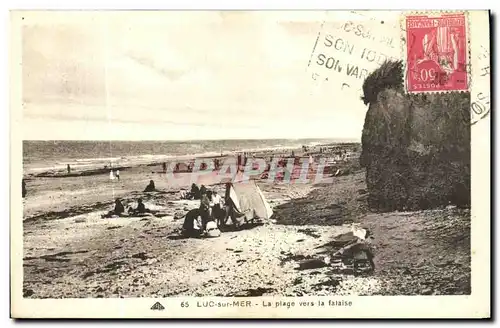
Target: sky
{"type": "Point", "coordinates": [194, 75]}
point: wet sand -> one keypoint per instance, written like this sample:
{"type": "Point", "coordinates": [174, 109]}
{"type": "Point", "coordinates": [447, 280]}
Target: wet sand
{"type": "Point", "coordinates": [69, 251]}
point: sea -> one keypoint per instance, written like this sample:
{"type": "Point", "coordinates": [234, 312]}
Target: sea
{"type": "Point", "coordinates": [54, 155]}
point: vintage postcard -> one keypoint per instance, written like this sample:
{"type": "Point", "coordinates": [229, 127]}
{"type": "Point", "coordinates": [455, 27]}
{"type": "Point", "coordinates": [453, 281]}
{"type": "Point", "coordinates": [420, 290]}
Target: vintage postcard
{"type": "Point", "coordinates": [250, 164]}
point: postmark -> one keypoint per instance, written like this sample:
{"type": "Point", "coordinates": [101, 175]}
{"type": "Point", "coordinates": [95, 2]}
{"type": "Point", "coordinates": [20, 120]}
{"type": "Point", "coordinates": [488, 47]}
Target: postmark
{"type": "Point", "coordinates": [437, 53]}
{"type": "Point", "coordinates": [480, 98]}
{"type": "Point", "coordinates": [349, 46]}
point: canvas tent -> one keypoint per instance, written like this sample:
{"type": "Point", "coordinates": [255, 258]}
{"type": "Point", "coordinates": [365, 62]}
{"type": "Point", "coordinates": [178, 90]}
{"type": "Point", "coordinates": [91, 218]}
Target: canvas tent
{"type": "Point", "coordinates": [247, 202]}
{"type": "Point", "coordinates": [181, 167]}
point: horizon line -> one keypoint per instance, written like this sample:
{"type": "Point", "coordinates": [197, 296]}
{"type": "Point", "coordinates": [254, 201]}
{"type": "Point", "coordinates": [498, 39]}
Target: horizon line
{"type": "Point", "coordinates": [190, 140]}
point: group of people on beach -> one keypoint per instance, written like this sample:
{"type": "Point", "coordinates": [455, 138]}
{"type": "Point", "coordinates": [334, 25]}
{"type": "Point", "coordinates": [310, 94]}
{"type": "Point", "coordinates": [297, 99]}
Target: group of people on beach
{"type": "Point", "coordinates": [119, 210]}
{"type": "Point", "coordinates": [203, 221]}
{"type": "Point", "coordinates": [114, 175]}
{"type": "Point", "coordinates": [209, 216]}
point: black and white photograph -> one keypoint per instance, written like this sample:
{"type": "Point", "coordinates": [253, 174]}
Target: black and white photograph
{"type": "Point", "coordinates": [250, 160]}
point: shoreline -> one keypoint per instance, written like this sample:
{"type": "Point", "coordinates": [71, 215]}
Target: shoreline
{"type": "Point", "coordinates": [89, 166]}
{"type": "Point", "coordinates": [59, 194]}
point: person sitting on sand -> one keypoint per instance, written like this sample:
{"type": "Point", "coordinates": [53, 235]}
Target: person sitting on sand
{"type": "Point", "coordinates": [150, 187]}
{"type": "Point", "coordinates": [216, 200]}
{"type": "Point", "coordinates": [203, 190]}
{"type": "Point", "coordinates": [141, 208]}
{"type": "Point", "coordinates": [195, 191]}
{"type": "Point", "coordinates": [119, 209]}
{"type": "Point", "coordinates": [192, 226]}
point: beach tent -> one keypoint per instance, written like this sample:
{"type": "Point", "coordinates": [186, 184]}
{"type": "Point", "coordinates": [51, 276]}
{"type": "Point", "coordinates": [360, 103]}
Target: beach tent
{"type": "Point", "coordinates": [182, 167]}
{"type": "Point", "coordinates": [247, 202]}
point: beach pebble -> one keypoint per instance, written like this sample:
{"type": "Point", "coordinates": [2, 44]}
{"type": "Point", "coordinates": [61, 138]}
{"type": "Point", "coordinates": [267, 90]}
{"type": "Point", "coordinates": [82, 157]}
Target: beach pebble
{"type": "Point", "coordinates": [152, 261]}
{"type": "Point", "coordinates": [427, 291]}
{"type": "Point", "coordinates": [178, 215]}
{"type": "Point", "coordinates": [28, 292]}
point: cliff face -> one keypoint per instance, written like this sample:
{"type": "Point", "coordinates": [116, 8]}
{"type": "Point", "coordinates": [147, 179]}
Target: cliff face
{"type": "Point", "coordinates": [415, 148]}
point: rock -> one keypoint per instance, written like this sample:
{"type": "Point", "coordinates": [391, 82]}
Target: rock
{"type": "Point", "coordinates": [398, 173]}
{"type": "Point", "coordinates": [151, 261]}
{"type": "Point", "coordinates": [178, 215]}
{"type": "Point", "coordinates": [311, 264]}
{"type": "Point", "coordinates": [141, 255]}
{"type": "Point", "coordinates": [28, 292]}
{"type": "Point", "coordinates": [427, 291]}
{"type": "Point", "coordinates": [99, 289]}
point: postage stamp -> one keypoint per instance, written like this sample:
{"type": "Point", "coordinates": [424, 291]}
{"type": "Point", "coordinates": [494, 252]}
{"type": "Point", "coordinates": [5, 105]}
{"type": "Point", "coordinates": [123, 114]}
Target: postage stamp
{"type": "Point", "coordinates": [437, 52]}
{"type": "Point", "coordinates": [157, 177]}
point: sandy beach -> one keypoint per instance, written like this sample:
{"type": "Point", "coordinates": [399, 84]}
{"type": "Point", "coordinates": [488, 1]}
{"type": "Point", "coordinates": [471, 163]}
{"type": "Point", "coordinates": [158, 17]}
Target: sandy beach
{"type": "Point", "coordinates": [71, 252]}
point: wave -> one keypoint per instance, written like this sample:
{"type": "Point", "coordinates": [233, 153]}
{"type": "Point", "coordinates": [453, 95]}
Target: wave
{"type": "Point", "coordinates": [39, 159]}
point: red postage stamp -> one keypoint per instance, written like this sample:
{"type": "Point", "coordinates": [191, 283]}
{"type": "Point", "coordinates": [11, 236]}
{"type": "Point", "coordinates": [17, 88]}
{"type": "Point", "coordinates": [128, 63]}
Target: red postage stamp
{"type": "Point", "coordinates": [437, 53]}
